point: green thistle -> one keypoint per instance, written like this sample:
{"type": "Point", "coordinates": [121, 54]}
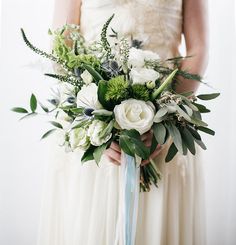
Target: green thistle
{"type": "Point", "coordinates": [140, 92]}
{"type": "Point", "coordinates": [117, 89]}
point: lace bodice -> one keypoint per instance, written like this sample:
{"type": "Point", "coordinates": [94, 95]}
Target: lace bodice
{"type": "Point", "coordinates": [158, 23]}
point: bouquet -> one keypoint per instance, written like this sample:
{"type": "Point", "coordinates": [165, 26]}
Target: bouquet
{"type": "Point", "coordinates": [116, 92]}
{"type": "Point", "coordinates": [112, 90]}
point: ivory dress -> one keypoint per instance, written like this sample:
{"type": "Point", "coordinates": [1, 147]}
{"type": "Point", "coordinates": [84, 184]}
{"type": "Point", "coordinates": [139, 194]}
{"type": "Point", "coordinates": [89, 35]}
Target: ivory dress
{"type": "Point", "coordinates": [80, 202]}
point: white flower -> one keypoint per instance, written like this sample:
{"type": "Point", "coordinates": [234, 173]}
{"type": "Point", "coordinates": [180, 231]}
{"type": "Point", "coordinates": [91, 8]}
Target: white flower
{"type": "Point", "coordinates": [135, 114]}
{"type": "Point", "coordinates": [94, 131]}
{"type": "Point", "coordinates": [79, 138]}
{"type": "Point", "coordinates": [87, 97]}
{"type": "Point", "coordinates": [143, 75]}
{"type": "Point", "coordinates": [86, 77]}
{"type": "Point", "coordinates": [137, 57]}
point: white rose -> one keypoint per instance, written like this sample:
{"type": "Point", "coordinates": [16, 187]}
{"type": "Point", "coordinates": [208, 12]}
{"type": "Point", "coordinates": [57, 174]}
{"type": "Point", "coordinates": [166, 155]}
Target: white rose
{"type": "Point", "coordinates": [143, 75]}
{"type": "Point", "coordinates": [79, 138]}
{"type": "Point", "coordinates": [135, 114]}
{"type": "Point", "coordinates": [149, 55]}
{"type": "Point", "coordinates": [137, 57]}
{"type": "Point", "coordinates": [86, 77]}
{"type": "Point", "coordinates": [87, 97]}
{"type": "Point", "coordinates": [95, 128]}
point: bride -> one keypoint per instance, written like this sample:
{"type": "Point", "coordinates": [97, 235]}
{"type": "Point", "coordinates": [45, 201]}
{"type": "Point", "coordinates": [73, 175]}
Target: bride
{"type": "Point", "coordinates": [80, 202]}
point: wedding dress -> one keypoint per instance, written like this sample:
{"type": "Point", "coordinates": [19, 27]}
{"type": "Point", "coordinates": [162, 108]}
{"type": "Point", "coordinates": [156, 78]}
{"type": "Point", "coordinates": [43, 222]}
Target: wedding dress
{"type": "Point", "coordinates": [80, 202]}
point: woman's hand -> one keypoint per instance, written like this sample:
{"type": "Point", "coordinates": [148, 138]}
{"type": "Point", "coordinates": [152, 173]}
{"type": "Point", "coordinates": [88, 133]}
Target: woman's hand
{"type": "Point", "coordinates": [114, 152]}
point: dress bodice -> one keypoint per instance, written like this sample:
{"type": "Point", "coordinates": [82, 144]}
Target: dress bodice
{"type": "Point", "coordinates": [158, 23]}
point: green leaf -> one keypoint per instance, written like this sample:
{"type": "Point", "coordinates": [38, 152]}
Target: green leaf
{"type": "Point", "coordinates": [171, 153]}
{"type": "Point", "coordinates": [132, 133]}
{"type": "Point", "coordinates": [44, 108]}
{"type": "Point", "coordinates": [198, 122]}
{"type": "Point", "coordinates": [49, 132]}
{"type": "Point", "coordinates": [188, 140]}
{"type": "Point", "coordinates": [127, 145]}
{"type": "Point", "coordinates": [159, 132]}
{"type": "Point", "coordinates": [97, 77]}
{"type": "Point", "coordinates": [208, 96]}
{"type": "Point", "coordinates": [201, 108]}
{"type": "Point", "coordinates": [97, 154]}
{"type": "Point", "coordinates": [140, 149]}
{"type": "Point", "coordinates": [102, 89]}
{"type": "Point", "coordinates": [176, 136]}
{"type": "Point", "coordinates": [201, 144]}
{"type": "Point", "coordinates": [33, 103]}
{"type": "Point", "coordinates": [29, 115]}
{"type": "Point", "coordinates": [194, 133]}
{"type": "Point", "coordinates": [19, 110]}
{"type": "Point", "coordinates": [154, 145]}
{"type": "Point", "coordinates": [56, 124]}
{"type": "Point", "coordinates": [182, 113]}
{"type": "Point", "coordinates": [206, 130]}
{"type": "Point", "coordinates": [88, 154]}
{"type": "Point", "coordinates": [185, 149]}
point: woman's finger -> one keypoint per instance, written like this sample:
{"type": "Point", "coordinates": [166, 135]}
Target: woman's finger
{"type": "Point", "coordinates": [113, 155]}
{"type": "Point", "coordinates": [115, 147]}
{"type": "Point", "coordinates": [153, 155]}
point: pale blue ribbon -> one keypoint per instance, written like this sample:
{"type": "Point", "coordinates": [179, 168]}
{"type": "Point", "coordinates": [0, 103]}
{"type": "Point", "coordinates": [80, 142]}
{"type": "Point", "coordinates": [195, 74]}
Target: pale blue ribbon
{"type": "Point", "coordinates": [131, 192]}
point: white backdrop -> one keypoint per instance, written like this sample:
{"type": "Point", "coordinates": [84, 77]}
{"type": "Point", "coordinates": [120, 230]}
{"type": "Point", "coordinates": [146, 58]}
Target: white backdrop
{"type": "Point", "coordinates": [23, 156]}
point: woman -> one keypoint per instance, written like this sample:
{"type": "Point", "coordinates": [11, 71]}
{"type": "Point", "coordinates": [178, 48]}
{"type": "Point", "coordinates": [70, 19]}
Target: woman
{"type": "Point", "coordinates": [81, 202]}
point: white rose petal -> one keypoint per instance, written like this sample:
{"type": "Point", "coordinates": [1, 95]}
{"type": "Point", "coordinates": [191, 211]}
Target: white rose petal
{"type": "Point", "coordinates": [135, 114]}
{"type": "Point", "coordinates": [87, 97]}
{"type": "Point", "coordinates": [95, 128]}
{"type": "Point", "coordinates": [137, 57]}
{"type": "Point", "coordinates": [143, 75]}
{"type": "Point", "coordinates": [86, 77]}
{"type": "Point", "coordinates": [79, 138]}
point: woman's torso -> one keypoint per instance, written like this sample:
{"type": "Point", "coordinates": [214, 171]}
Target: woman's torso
{"type": "Point", "coordinates": [158, 23]}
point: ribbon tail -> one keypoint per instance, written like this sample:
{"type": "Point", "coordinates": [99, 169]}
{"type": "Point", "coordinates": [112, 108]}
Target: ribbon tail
{"type": "Point", "coordinates": [129, 199]}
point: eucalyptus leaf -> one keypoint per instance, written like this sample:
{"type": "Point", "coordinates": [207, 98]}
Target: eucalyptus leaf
{"type": "Point", "coordinates": [176, 136]}
{"type": "Point", "coordinates": [198, 122]}
{"type": "Point", "coordinates": [188, 140]}
{"type": "Point", "coordinates": [153, 145]}
{"type": "Point", "coordinates": [19, 110]}
{"type": "Point", "coordinates": [206, 130]}
{"type": "Point", "coordinates": [159, 132]}
{"type": "Point", "coordinates": [161, 112]}
{"type": "Point", "coordinates": [56, 124]}
{"type": "Point", "coordinates": [201, 108]}
{"type": "Point", "coordinates": [33, 103]}
{"type": "Point", "coordinates": [208, 96]}
{"type": "Point", "coordinates": [32, 114]}
{"type": "Point", "coordinates": [182, 113]}
{"type": "Point", "coordinates": [45, 109]}
{"type": "Point", "coordinates": [171, 153]}
{"type": "Point", "coordinates": [201, 144]}
{"type": "Point", "coordinates": [49, 132]}
{"type": "Point", "coordinates": [194, 133]}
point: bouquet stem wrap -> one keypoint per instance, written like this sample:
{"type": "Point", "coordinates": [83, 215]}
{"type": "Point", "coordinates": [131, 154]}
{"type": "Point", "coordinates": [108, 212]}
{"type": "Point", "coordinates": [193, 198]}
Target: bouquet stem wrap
{"type": "Point", "coordinates": [129, 199]}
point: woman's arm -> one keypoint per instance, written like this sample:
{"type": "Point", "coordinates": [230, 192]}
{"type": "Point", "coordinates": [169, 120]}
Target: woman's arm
{"type": "Point", "coordinates": [73, 13]}
{"type": "Point", "coordinates": [195, 30]}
